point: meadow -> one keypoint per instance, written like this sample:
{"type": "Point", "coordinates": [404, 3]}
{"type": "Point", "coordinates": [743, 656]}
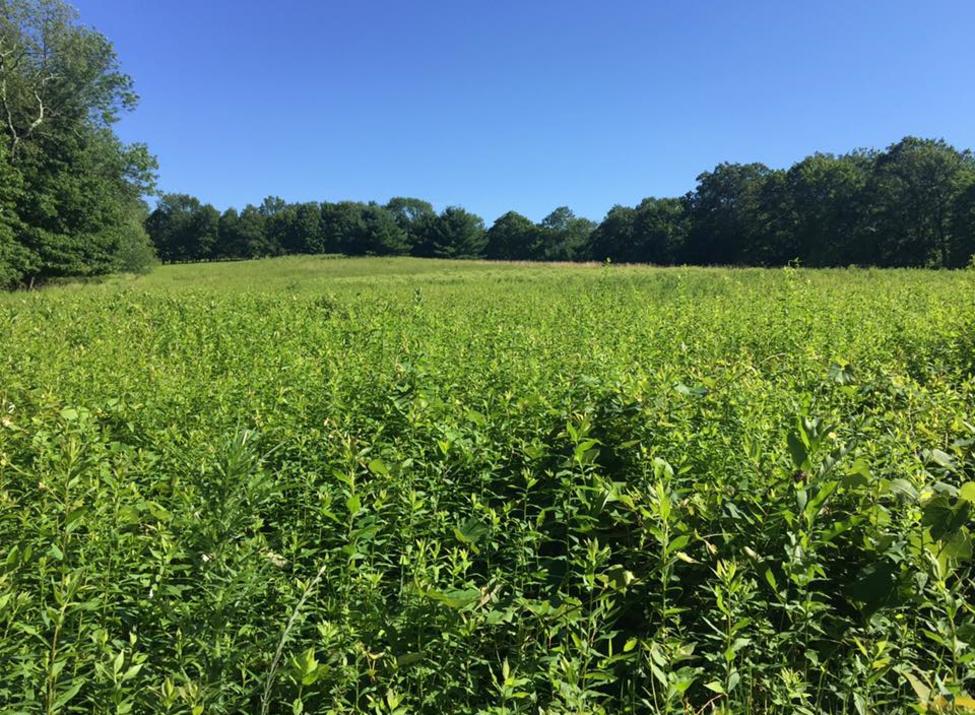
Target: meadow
{"type": "Point", "coordinates": [395, 486]}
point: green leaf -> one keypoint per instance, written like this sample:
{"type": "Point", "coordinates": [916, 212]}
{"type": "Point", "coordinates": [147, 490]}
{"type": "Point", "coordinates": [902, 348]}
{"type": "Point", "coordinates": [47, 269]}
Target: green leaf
{"type": "Point", "coordinates": [941, 459]}
{"type": "Point", "coordinates": [798, 450]}
{"type": "Point", "coordinates": [858, 475]}
{"type": "Point", "coordinates": [581, 449]}
{"type": "Point", "coordinates": [662, 471]}
{"type": "Point", "coordinates": [74, 515]}
{"type": "Point", "coordinates": [922, 691]}
{"type": "Point", "coordinates": [943, 517]}
{"type": "Point", "coordinates": [822, 494]}
{"type": "Point", "coordinates": [695, 391]}
{"type": "Point", "coordinates": [128, 515]}
{"type": "Point", "coordinates": [409, 659]}
{"type": "Point", "coordinates": [456, 599]}
{"type": "Point", "coordinates": [902, 487]}
{"type": "Point", "coordinates": [132, 671]}
{"type": "Point", "coordinates": [159, 512]}
{"type": "Point", "coordinates": [378, 466]}
{"type": "Point", "coordinates": [958, 545]}
{"type": "Point", "coordinates": [471, 531]}
{"type": "Point", "coordinates": [67, 695]}
{"type": "Point", "coordinates": [305, 666]}
{"type": "Point", "coordinates": [12, 557]}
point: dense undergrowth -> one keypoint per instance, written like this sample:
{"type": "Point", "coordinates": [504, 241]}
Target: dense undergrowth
{"type": "Point", "coordinates": [488, 489]}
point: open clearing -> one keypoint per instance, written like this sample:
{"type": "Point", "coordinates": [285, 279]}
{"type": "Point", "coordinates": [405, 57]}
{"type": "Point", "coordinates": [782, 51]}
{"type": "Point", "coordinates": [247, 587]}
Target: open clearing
{"type": "Point", "coordinates": [403, 485]}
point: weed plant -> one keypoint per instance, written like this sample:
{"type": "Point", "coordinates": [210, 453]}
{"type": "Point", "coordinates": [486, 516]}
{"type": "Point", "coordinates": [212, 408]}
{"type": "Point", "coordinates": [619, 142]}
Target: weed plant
{"type": "Point", "coordinates": [392, 486]}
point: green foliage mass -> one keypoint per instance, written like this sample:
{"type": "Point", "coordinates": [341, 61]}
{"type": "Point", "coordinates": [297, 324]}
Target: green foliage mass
{"type": "Point", "coordinates": [910, 205]}
{"type": "Point", "coordinates": [70, 191]}
{"type": "Point", "coordinates": [391, 485]}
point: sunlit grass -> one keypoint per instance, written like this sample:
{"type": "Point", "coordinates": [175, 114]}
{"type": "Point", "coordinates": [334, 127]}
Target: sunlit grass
{"type": "Point", "coordinates": [399, 485]}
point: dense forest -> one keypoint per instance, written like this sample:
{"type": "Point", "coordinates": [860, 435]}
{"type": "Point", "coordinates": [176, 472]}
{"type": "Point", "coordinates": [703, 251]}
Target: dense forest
{"type": "Point", "coordinates": [73, 195]}
{"type": "Point", "coordinates": [910, 205]}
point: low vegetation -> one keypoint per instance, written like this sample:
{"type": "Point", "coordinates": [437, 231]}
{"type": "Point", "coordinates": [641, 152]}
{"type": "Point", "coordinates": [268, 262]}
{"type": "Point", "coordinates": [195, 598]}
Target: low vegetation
{"type": "Point", "coordinates": [397, 485]}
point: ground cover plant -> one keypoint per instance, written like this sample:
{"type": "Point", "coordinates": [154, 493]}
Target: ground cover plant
{"type": "Point", "coordinates": [404, 486]}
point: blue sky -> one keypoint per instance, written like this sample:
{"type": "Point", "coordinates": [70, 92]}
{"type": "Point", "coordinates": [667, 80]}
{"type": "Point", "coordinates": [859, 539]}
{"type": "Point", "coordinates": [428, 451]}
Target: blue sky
{"type": "Point", "coordinates": [525, 105]}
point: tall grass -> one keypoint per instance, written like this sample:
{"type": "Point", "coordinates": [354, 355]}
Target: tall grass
{"type": "Point", "coordinates": [395, 486]}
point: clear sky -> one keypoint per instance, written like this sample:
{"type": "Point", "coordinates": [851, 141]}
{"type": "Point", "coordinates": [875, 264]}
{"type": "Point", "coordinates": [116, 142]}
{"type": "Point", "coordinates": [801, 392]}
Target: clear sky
{"type": "Point", "coordinates": [525, 104]}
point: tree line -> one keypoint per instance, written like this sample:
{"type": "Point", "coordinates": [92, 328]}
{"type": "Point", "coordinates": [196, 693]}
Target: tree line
{"type": "Point", "coordinates": [71, 193]}
{"type": "Point", "coordinates": [912, 204]}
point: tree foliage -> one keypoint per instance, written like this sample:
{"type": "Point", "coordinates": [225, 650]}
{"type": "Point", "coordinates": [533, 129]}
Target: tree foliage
{"type": "Point", "coordinates": [72, 191]}
{"type": "Point", "coordinates": [513, 237]}
{"type": "Point", "coordinates": [456, 233]}
{"type": "Point", "coordinates": [910, 205]}
{"type": "Point", "coordinates": [914, 189]}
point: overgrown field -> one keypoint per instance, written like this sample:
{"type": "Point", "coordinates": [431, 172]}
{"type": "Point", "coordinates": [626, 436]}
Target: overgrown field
{"type": "Point", "coordinates": [397, 486]}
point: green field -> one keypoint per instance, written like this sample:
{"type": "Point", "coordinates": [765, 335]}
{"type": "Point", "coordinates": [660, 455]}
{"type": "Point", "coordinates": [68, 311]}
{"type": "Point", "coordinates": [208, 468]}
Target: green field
{"type": "Point", "coordinates": [411, 486]}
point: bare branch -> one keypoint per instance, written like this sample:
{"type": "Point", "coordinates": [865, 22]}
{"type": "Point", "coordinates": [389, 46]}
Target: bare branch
{"type": "Point", "coordinates": [14, 138]}
{"type": "Point", "coordinates": [40, 115]}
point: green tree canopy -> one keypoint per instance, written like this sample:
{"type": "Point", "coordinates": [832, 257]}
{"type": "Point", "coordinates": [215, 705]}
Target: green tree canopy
{"type": "Point", "coordinates": [913, 193]}
{"type": "Point", "coordinates": [963, 228]}
{"type": "Point", "coordinates": [565, 237]}
{"type": "Point", "coordinates": [183, 229]}
{"type": "Point", "coordinates": [78, 202]}
{"type": "Point", "coordinates": [722, 212]}
{"type": "Point", "coordinates": [455, 233]}
{"type": "Point", "coordinates": [912, 204]}
{"type": "Point", "coordinates": [513, 237]}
